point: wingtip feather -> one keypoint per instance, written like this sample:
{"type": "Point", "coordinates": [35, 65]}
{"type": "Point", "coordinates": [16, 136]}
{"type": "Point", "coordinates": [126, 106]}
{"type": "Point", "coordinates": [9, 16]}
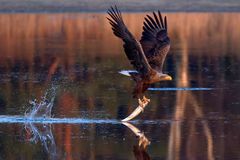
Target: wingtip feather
{"type": "Point", "coordinates": [165, 22]}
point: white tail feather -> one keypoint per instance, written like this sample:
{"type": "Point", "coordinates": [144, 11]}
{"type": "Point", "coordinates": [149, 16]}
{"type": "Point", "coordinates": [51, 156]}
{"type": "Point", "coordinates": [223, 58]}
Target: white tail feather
{"type": "Point", "coordinates": [127, 72]}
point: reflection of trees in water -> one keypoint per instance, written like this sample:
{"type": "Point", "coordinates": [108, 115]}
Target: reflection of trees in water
{"type": "Point", "coordinates": [187, 112]}
{"type": "Point", "coordinates": [188, 117]}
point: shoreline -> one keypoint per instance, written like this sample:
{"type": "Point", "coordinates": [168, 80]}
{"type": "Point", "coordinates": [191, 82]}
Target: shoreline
{"type": "Point", "coordinates": [104, 12]}
{"type": "Point", "coordinates": [98, 6]}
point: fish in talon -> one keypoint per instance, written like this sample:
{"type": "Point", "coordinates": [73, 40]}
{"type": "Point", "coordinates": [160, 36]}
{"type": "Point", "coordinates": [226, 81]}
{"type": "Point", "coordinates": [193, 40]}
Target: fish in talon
{"type": "Point", "coordinates": [137, 111]}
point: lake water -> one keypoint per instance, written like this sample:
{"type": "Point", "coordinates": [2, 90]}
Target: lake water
{"type": "Point", "coordinates": [79, 56]}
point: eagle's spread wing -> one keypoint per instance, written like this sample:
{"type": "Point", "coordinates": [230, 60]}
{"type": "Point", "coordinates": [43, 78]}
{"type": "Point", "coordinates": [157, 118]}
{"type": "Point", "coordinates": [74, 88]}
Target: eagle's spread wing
{"type": "Point", "coordinates": [132, 47]}
{"type": "Point", "coordinates": [155, 41]}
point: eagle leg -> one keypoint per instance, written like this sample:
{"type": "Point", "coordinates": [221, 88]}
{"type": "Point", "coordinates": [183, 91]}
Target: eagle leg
{"type": "Point", "coordinates": [142, 102]}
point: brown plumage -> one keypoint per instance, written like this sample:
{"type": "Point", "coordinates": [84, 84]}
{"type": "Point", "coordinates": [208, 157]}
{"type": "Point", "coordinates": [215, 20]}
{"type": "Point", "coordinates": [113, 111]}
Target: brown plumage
{"type": "Point", "coordinates": [147, 55]}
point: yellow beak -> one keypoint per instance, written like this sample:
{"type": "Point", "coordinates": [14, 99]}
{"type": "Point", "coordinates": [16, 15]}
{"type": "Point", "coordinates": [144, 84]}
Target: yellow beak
{"type": "Point", "coordinates": [169, 78]}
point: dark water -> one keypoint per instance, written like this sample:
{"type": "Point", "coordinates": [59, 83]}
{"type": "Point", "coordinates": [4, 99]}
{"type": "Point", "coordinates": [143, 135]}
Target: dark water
{"type": "Point", "coordinates": [79, 55]}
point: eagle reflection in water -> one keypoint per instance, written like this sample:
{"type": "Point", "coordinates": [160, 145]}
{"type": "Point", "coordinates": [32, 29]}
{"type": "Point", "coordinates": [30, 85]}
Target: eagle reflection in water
{"type": "Point", "coordinates": [147, 55]}
{"type": "Point", "coordinates": [139, 149]}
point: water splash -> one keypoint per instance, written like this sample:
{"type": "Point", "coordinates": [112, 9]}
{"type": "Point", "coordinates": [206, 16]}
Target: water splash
{"type": "Point", "coordinates": [42, 108]}
{"type": "Point", "coordinates": [42, 133]}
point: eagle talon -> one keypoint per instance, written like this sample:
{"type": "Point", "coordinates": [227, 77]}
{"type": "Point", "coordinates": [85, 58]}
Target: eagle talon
{"type": "Point", "coordinates": [145, 100]}
{"type": "Point", "coordinates": [141, 104]}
